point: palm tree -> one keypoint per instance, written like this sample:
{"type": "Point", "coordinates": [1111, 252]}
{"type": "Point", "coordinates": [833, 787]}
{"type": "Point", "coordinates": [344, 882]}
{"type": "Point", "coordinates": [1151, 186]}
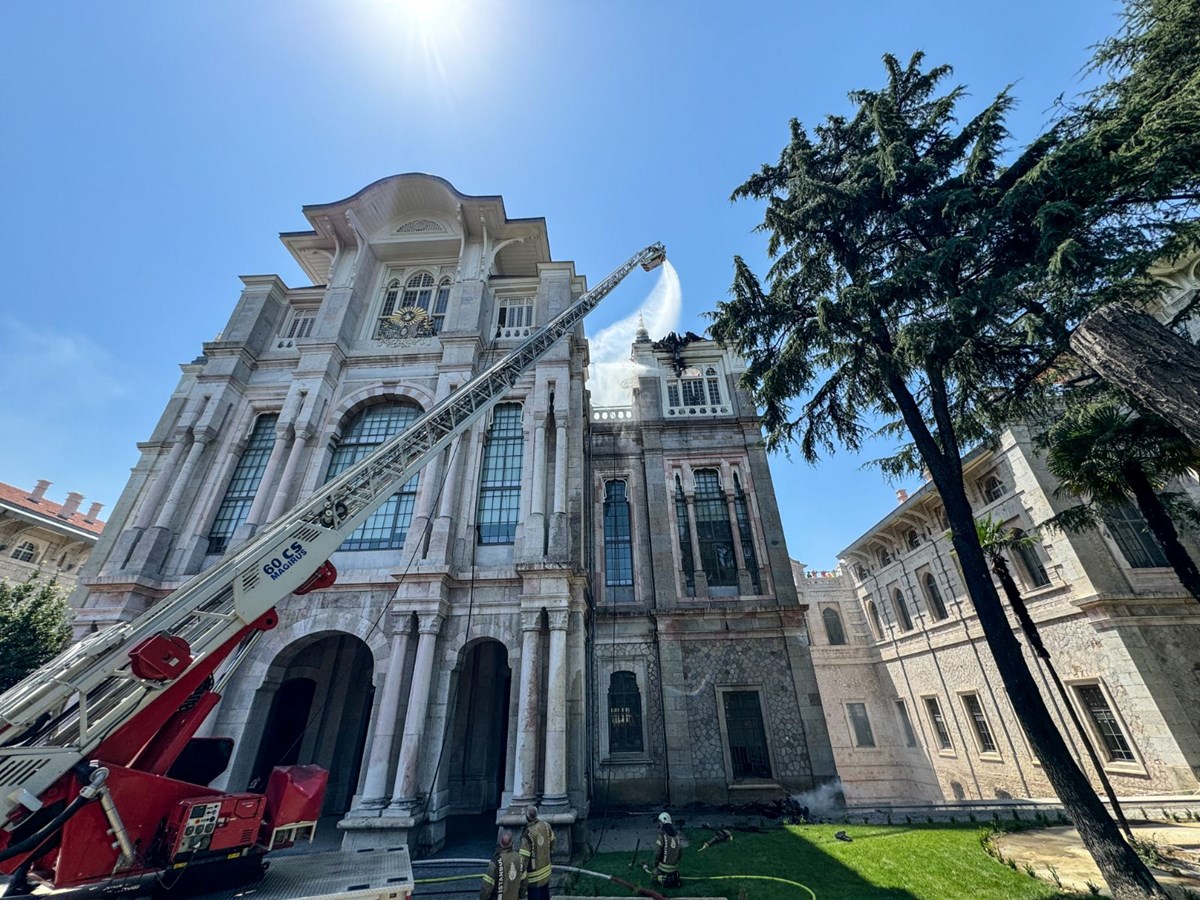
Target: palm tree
{"type": "Point", "coordinates": [1104, 453]}
{"type": "Point", "coordinates": [996, 540]}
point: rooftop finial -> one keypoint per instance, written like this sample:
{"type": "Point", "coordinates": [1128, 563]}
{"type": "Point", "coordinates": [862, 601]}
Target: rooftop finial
{"type": "Point", "coordinates": [642, 333]}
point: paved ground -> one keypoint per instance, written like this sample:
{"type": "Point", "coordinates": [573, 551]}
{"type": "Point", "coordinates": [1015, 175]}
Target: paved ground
{"type": "Point", "coordinates": [1060, 847]}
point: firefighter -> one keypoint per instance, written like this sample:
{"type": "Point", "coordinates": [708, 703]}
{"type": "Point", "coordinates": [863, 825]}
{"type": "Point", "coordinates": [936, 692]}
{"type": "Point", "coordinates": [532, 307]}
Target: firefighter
{"type": "Point", "coordinates": [505, 878]}
{"type": "Point", "coordinates": [537, 843]}
{"type": "Point", "coordinates": [667, 851]}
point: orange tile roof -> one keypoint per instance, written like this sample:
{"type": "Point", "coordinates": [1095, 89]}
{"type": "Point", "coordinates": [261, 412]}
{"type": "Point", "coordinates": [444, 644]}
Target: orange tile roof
{"type": "Point", "coordinates": [46, 509]}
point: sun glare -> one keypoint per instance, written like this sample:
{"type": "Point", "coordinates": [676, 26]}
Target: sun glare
{"type": "Point", "coordinates": [430, 44]}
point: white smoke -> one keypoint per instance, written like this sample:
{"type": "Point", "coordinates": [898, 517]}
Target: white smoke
{"type": "Point", "coordinates": [822, 801]}
{"type": "Point", "coordinates": [611, 372]}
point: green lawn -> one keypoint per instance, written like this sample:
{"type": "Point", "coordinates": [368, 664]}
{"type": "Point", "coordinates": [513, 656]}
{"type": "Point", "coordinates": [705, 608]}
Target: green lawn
{"type": "Point", "coordinates": [897, 862]}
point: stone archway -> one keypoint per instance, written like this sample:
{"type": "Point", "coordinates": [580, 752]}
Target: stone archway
{"type": "Point", "coordinates": [316, 710]}
{"type": "Point", "coordinates": [478, 739]}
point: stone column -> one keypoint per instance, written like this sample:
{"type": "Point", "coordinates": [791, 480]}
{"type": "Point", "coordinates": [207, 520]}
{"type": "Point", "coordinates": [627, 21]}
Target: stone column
{"type": "Point", "coordinates": [698, 576]}
{"type": "Point", "coordinates": [560, 467]}
{"type": "Point", "coordinates": [167, 513]}
{"type": "Point", "coordinates": [283, 440]}
{"type": "Point", "coordinates": [427, 489]}
{"type": "Point", "coordinates": [537, 501]}
{"type": "Point", "coordinates": [375, 788]}
{"type": "Point", "coordinates": [145, 516]}
{"type": "Point", "coordinates": [404, 794]}
{"type": "Point", "coordinates": [556, 713]}
{"type": "Point", "coordinates": [529, 711]}
{"type": "Point", "coordinates": [281, 502]}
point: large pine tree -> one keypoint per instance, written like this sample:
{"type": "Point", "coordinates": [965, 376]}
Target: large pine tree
{"type": "Point", "coordinates": [918, 277]}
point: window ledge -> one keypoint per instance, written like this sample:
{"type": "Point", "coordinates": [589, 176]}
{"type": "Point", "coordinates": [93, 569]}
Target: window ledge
{"type": "Point", "coordinates": [761, 784]}
{"type": "Point", "coordinates": [1127, 768]}
{"type": "Point", "coordinates": [948, 754]}
{"type": "Point", "coordinates": [991, 757]}
{"type": "Point", "coordinates": [627, 759]}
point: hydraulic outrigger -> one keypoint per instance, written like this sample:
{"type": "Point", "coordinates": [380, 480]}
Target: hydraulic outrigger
{"type": "Point", "coordinates": [110, 719]}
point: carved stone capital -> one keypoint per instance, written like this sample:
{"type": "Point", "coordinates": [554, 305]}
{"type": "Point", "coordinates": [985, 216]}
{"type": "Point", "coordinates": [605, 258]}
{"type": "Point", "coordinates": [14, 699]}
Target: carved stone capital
{"type": "Point", "coordinates": [430, 623]}
{"type": "Point", "coordinates": [558, 619]}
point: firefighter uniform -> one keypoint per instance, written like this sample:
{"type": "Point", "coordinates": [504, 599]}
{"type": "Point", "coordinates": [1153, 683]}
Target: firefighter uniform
{"type": "Point", "coordinates": [667, 853]}
{"type": "Point", "coordinates": [537, 843]}
{"type": "Point", "coordinates": [505, 878]}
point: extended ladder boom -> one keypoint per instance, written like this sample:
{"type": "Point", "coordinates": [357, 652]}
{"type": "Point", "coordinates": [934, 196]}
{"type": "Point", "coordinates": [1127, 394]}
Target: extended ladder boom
{"type": "Point", "coordinates": [57, 716]}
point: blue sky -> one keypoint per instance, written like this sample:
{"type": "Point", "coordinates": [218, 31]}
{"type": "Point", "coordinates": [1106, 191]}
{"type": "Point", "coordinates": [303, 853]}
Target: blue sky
{"type": "Point", "coordinates": [153, 152]}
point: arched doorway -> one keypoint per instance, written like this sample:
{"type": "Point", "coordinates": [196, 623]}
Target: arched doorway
{"type": "Point", "coordinates": [479, 731]}
{"type": "Point", "coordinates": [319, 713]}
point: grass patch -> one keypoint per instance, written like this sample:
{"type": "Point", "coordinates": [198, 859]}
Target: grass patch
{"type": "Point", "coordinates": [893, 862]}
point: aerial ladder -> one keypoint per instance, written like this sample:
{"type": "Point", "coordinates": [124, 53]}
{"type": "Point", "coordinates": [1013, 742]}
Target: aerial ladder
{"type": "Point", "coordinates": [102, 780]}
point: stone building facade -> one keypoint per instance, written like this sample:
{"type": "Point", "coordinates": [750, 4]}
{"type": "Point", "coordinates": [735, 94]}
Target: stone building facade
{"type": "Point", "coordinates": [40, 536]}
{"type": "Point", "coordinates": [456, 665]}
{"type": "Point", "coordinates": [915, 707]}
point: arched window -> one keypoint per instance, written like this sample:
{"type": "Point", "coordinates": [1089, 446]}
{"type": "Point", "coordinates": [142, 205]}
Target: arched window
{"type": "Point", "coordinates": [624, 714]}
{"type": "Point", "coordinates": [418, 291]}
{"type": "Point", "coordinates": [618, 544]}
{"type": "Point", "coordinates": [993, 488]}
{"type": "Point", "coordinates": [902, 614]}
{"type": "Point", "coordinates": [833, 626]}
{"type": "Point", "coordinates": [391, 293]}
{"type": "Point", "coordinates": [885, 557]}
{"type": "Point", "coordinates": [1129, 529]}
{"type": "Point", "coordinates": [1031, 562]}
{"type": "Point", "coordinates": [500, 483]}
{"type": "Point", "coordinates": [440, 302]}
{"type": "Point", "coordinates": [936, 605]}
{"type": "Point", "coordinates": [239, 496]}
{"type": "Point", "coordinates": [913, 539]}
{"type": "Point", "coordinates": [874, 619]}
{"type": "Point", "coordinates": [684, 532]}
{"type": "Point", "coordinates": [387, 527]}
{"type": "Point", "coordinates": [25, 552]}
{"type": "Point", "coordinates": [714, 386]}
{"type": "Point", "coordinates": [742, 508]}
{"type": "Point", "coordinates": [714, 531]}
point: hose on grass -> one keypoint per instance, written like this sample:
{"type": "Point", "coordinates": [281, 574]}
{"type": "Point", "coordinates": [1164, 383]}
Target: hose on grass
{"type": "Point", "coordinates": [803, 887]}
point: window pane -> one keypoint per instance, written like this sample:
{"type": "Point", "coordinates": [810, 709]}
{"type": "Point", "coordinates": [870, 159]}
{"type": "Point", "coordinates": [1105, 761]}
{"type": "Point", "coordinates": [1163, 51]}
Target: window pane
{"type": "Point", "coordinates": [239, 496]}
{"type": "Point", "coordinates": [833, 626]}
{"type": "Point", "coordinates": [618, 544]}
{"type": "Point", "coordinates": [714, 391]}
{"type": "Point", "coordinates": [863, 736]}
{"type": "Point", "coordinates": [906, 728]}
{"type": "Point", "coordinates": [934, 710]}
{"type": "Point", "coordinates": [500, 483]}
{"type": "Point", "coordinates": [673, 395]}
{"type": "Point", "coordinates": [693, 392]}
{"type": "Point", "coordinates": [1133, 536]}
{"type": "Point", "coordinates": [743, 517]}
{"type": "Point", "coordinates": [936, 604]}
{"type": "Point", "coordinates": [975, 710]}
{"type": "Point", "coordinates": [902, 614]}
{"type": "Point", "coordinates": [1031, 563]}
{"type": "Point", "coordinates": [387, 527]}
{"type": "Point", "coordinates": [714, 531]}
{"type": "Point", "coordinates": [685, 539]}
{"type": "Point", "coordinates": [747, 737]}
{"type": "Point", "coordinates": [624, 714]}
{"type": "Point", "coordinates": [1107, 726]}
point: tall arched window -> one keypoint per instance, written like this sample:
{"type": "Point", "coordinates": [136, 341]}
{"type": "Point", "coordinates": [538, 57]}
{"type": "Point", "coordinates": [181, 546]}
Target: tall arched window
{"type": "Point", "coordinates": [25, 552]}
{"type": "Point", "coordinates": [714, 531]}
{"type": "Point", "coordinates": [239, 496]}
{"type": "Point", "coordinates": [440, 302]}
{"type": "Point", "coordinates": [618, 544]}
{"type": "Point", "coordinates": [936, 605]}
{"type": "Point", "coordinates": [391, 293]}
{"type": "Point", "coordinates": [714, 386]}
{"type": "Point", "coordinates": [418, 291]}
{"type": "Point", "coordinates": [387, 526]}
{"type": "Point", "coordinates": [684, 533]}
{"type": "Point", "coordinates": [624, 714]}
{"type": "Point", "coordinates": [874, 619]}
{"type": "Point", "coordinates": [1031, 562]}
{"type": "Point", "coordinates": [500, 482]}
{"type": "Point", "coordinates": [1129, 529]}
{"type": "Point", "coordinates": [742, 508]}
{"type": "Point", "coordinates": [902, 613]}
{"type": "Point", "coordinates": [833, 626]}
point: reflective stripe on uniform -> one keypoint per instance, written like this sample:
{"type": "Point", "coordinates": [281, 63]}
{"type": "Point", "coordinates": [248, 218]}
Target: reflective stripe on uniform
{"type": "Point", "coordinates": [525, 853]}
{"type": "Point", "coordinates": [538, 876]}
{"type": "Point", "coordinates": [664, 867]}
{"type": "Point", "coordinates": [488, 879]}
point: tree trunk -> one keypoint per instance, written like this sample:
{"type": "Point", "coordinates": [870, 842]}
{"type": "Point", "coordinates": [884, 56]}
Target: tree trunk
{"type": "Point", "coordinates": [1163, 530]}
{"type": "Point", "coordinates": [1017, 602]}
{"type": "Point", "coordinates": [1124, 872]}
{"type": "Point", "coordinates": [1133, 351]}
